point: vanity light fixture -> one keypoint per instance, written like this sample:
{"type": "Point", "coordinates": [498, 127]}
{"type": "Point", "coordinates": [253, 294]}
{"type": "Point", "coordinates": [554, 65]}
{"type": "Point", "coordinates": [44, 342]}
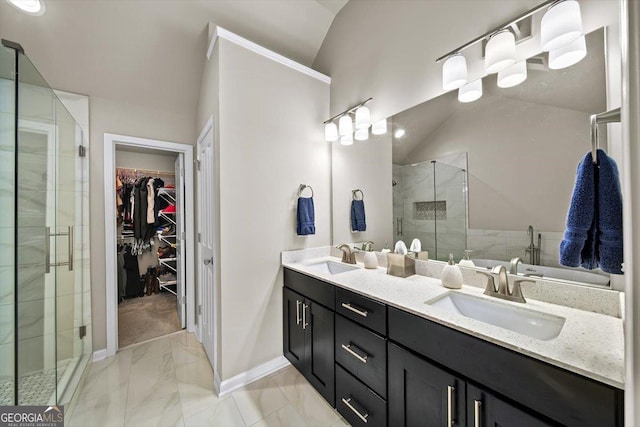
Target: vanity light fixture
{"type": "Point", "coordinates": [568, 55]}
{"type": "Point", "coordinates": [379, 127]}
{"type": "Point", "coordinates": [363, 118]}
{"type": "Point", "coordinates": [560, 25]}
{"type": "Point", "coordinates": [454, 72]}
{"type": "Point", "coordinates": [362, 134]}
{"type": "Point", "coordinates": [346, 139]}
{"type": "Point", "coordinates": [471, 91]}
{"type": "Point", "coordinates": [30, 7]}
{"type": "Point", "coordinates": [500, 52]}
{"type": "Point", "coordinates": [345, 125]}
{"type": "Point", "coordinates": [513, 76]}
{"type": "Point", "coordinates": [330, 132]}
{"type": "Point", "coordinates": [399, 133]}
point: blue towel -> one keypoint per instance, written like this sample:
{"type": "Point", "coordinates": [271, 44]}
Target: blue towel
{"type": "Point", "coordinates": [578, 246]}
{"type": "Point", "coordinates": [609, 215]}
{"type": "Point", "coordinates": [358, 220]}
{"type": "Point", "coordinates": [306, 216]}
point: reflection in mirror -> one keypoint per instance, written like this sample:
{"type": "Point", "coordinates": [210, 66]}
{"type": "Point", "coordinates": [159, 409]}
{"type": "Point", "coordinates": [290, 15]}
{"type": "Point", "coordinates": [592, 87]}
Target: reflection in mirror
{"type": "Point", "coordinates": [495, 176]}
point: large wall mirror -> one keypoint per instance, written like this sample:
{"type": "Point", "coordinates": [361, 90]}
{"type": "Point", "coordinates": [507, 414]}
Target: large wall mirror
{"type": "Point", "coordinates": [495, 176]}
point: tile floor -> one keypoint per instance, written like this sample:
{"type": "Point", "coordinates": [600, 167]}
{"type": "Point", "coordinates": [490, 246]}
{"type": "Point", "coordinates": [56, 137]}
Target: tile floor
{"type": "Point", "coordinates": [169, 382]}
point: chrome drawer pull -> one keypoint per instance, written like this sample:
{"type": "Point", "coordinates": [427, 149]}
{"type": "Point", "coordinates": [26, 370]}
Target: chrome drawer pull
{"type": "Point", "coordinates": [362, 313]}
{"type": "Point", "coordinates": [355, 411]}
{"type": "Point", "coordinates": [304, 316]}
{"type": "Point", "coordinates": [347, 348]}
{"type": "Point", "coordinates": [297, 312]}
{"type": "Point", "coordinates": [450, 420]}
{"type": "Point", "coordinates": [476, 412]}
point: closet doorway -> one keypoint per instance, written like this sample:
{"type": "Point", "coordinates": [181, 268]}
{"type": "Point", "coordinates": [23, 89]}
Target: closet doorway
{"type": "Point", "coordinates": [150, 268]}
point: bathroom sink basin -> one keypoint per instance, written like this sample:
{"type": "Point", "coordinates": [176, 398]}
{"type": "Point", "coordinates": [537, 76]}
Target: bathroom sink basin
{"type": "Point", "coordinates": [331, 267]}
{"type": "Point", "coordinates": [534, 324]}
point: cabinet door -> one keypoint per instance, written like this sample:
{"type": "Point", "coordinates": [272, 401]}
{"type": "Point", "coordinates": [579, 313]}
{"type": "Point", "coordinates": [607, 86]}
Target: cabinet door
{"type": "Point", "coordinates": [319, 349]}
{"type": "Point", "coordinates": [293, 333]}
{"type": "Point", "coordinates": [485, 410]}
{"type": "Point", "coordinates": [421, 394]}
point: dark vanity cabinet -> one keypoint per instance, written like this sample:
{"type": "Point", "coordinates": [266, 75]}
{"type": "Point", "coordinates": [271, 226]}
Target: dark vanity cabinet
{"type": "Point", "coordinates": [382, 366]}
{"type": "Point", "coordinates": [308, 334]}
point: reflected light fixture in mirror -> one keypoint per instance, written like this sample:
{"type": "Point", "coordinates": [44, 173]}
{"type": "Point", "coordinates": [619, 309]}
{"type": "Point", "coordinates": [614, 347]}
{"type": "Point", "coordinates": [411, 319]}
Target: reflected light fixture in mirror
{"type": "Point", "coordinates": [346, 125]}
{"type": "Point", "coordinates": [513, 75]}
{"type": "Point", "coordinates": [330, 132]}
{"type": "Point", "coordinates": [399, 133]}
{"type": "Point", "coordinates": [363, 118]}
{"type": "Point", "coordinates": [454, 72]}
{"type": "Point", "coordinates": [362, 134]}
{"type": "Point", "coordinates": [346, 139]}
{"type": "Point", "coordinates": [500, 51]}
{"type": "Point", "coordinates": [568, 55]}
{"type": "Point", "coordinates": [471, 91]}
{"type": "Point", "coordinates": [560, 25]}
{"type": "Point", "coordinates": [30, 7]}
{"type": "Point", "coordinates": [379, 127]}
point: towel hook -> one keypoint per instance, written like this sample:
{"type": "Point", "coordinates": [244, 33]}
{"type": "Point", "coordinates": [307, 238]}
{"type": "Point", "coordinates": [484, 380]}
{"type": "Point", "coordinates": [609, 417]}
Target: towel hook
{"type": "Point", "coordinates": [302, 187]}
{"type": "Point", "coordinates": [354, 194]}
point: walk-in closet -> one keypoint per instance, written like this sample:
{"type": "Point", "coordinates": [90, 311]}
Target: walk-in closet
{"type": "Point", "coordinates": [150, 223]}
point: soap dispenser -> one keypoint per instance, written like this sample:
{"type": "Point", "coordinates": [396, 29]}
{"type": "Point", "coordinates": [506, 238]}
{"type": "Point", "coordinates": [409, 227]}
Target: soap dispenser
{"type": "Point", "coordinates": [386, 248]}
{"type": "Point", "coordinates": [370, 259]}
{"type": "Point", "coordinates": [451, 275]}
{"type": "Point", "coordinates": [466, 261]}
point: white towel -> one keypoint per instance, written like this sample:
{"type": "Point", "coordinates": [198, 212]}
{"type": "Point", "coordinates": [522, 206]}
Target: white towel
{"type": "Point", "coordinates": [416, 246]}
{"type": "Point", "coordinates": [400, 248]}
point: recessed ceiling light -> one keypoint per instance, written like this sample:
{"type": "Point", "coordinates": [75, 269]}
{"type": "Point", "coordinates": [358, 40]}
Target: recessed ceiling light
{"type": "Point", "coordinates": [30, 7]}
{"type": "Point", "coordinates": [399, 133]}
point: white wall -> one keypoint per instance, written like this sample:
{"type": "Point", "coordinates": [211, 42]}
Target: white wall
{"type": "Point", "coordinates": [270, 141]}
{"type": "Point", "coordinates": [351, 167]}
{"type": "Point", "coordinates": [150, 161]}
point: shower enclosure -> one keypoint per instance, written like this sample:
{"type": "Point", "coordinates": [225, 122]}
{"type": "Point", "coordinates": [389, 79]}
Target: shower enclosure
{"type": "Point", "coordinates": [44, 260]}
{"type": "Point", "coordinates": [430, 204]}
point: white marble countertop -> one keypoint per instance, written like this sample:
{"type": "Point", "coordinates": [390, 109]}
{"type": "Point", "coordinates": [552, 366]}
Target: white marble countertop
{"type": "Point", "coordinates": [589, 344]}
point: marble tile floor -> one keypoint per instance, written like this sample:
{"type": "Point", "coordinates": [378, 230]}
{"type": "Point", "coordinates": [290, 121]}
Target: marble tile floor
{"type": "Point", "coordinates": [35, 388]}
{"type": "Point", "coordinates": [169, 382]}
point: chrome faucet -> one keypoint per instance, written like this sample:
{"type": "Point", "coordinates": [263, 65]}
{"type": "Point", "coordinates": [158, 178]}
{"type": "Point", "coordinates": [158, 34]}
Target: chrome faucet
{"type": "Point", "coordinates": [367, 246]}
{"type": "Point", "coordinates": [514, 265]}
{"type": "Point", "coordinates": [532, 249]}
{"type": "Point", "coordinates": [347, 256]}
{"type": "Point", "coordinates": [503, 292]}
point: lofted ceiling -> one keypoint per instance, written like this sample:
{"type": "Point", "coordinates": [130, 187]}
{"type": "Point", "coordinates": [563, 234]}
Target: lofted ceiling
{"type": "Point", "coordinates": [147, 52]}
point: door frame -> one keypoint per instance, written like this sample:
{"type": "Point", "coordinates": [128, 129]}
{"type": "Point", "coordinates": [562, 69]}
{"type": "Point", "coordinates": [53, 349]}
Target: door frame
{"type": "Point", "coordinates": [111, 141]}
{"type": "Point", "coordinates": [209, 126]}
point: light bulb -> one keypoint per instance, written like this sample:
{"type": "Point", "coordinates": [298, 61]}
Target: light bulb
{"type": "Point", "coordinates": [346, 139]}
{"type": "Point", "coordinates": [345, 125]}
{"type": "Point", "coordinates": [363, 118]}
{"type": "Point", "coordinates": [454, 72]}
{"type": "Point", "coordinates": [330, 132]}
{"type": "Point", "coordinates": [513, 75]}
{"type": "Point", "coordinates": [500, 52]}
{"type": "Point", "coordinates": [31, 7]}
{"type": "Point", "coordinates": [362, 134]}
{"type": "Point", "coordinates": [379, 127]}
{"type": "Point", "coordinates": [471, 91]}
{"type": "Point", "coordinates": [560, 25]}
{"type": "Point", "coordinates": [568, 55]}
{"type": "Point", "coordinates": [399, 133]}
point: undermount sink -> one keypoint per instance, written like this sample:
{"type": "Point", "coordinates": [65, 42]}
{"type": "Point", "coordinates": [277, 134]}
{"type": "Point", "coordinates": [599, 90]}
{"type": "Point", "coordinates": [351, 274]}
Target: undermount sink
{"type": "Point", "coordinates": [331, 267]}
{"type": "Point", "coordinates": [534, 324]}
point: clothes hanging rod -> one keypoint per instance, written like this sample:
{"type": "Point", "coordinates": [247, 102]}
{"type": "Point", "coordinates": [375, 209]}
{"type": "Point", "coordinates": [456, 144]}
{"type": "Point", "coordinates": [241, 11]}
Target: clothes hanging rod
{"type": "Point", "coordinates": [348, 111]}
{"type": "Point", "coordinates": [147, 171]}
{"type": "Point", "coordinates": [496, 29]}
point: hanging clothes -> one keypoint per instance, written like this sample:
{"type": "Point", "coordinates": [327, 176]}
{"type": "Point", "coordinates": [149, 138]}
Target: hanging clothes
{"type": "Point", "coordinates": [134, 286]}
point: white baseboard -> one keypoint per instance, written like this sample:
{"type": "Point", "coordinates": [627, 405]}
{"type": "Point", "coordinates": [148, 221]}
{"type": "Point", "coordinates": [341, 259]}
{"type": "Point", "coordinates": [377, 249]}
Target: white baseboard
{"type": "Point", "coordinates": [240, 380]}
{"type": "Point", "coordinates": [216, 382]}
{"type": "Point", "coordinates": [99, 354]}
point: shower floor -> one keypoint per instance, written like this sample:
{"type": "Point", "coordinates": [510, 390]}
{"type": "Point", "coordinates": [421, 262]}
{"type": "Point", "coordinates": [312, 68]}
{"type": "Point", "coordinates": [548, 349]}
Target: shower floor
{"type": "Point", "coordinates": [36, 388]}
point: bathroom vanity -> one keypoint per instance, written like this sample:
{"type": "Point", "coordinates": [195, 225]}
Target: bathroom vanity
{"type": "Point", "coordinates": [378, 352]}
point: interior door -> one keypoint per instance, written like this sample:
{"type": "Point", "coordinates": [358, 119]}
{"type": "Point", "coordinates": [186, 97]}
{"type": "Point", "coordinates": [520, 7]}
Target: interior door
{"type": "Point", "coordinates": [180, 246]}
{"type": "Point", "coordinates": [206, 217]}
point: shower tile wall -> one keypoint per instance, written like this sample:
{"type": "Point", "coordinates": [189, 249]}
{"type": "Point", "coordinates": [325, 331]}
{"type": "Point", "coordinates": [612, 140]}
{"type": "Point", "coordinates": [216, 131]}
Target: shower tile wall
{"type": "Point", "coordinates": [504, 245]}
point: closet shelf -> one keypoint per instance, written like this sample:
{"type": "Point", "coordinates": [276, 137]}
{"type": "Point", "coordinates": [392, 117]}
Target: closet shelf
{"type": "Point", "coordinates": [168, 217]}
{"type": "Point", "coordinates": [168, 194]}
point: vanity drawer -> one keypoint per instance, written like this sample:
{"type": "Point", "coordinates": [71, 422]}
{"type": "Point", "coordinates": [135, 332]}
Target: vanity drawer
{"type": "Point", "coordinates": [363, 353]}
{"type": "Point", "coordinates": [312, 288]}
{"type": "Point", "coordinates": [363, 310]}
{"type": "Point", "coordinates": [357, 403]}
